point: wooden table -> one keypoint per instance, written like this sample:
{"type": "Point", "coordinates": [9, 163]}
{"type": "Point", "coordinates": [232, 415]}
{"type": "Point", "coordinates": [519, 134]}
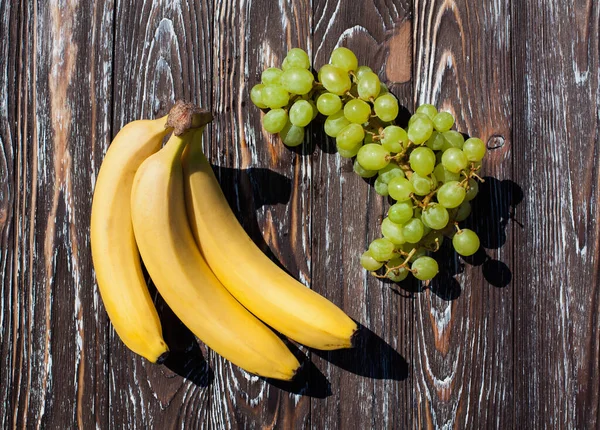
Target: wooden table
{"type": "Point", "coordinates": [509, 339]}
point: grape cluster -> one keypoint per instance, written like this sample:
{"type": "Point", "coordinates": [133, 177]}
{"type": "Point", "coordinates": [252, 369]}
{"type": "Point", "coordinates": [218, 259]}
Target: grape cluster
{"type": "Point", "coordinates": [428, 169]}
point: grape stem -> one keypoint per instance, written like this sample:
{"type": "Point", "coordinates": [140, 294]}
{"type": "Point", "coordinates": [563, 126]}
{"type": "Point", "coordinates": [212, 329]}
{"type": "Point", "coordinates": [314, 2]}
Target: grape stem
{"type": "Point", "coordinates": [427, 198]}
{"type": "Point", "coordinates": [401, 266]}
{"type": "Point", "coordinates": [458, 230]}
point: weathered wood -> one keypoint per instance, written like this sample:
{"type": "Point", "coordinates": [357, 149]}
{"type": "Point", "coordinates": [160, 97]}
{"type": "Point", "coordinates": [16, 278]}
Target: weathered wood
{"type": "Point", "coordinates": [10, 299]}
{"type": "Point", "coordinates": [371, 381]}
{"type": "Point", "coordinates": [268, 186]}
{"type": "Point", "coordinates": [463, 358]}
{"type": "Point", "coordinates": [56, 333]}
{"type": "Point", "coordinates": [557, 338]}
{"type": "Point", "coordinates": [162, 53]}
{"type": "Point", "coordinates": [509, 338]}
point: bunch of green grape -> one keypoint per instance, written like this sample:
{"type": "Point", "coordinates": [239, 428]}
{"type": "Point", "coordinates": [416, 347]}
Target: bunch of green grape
{"type": "Point", "coordinates": [430, 170]}
{"type": "Point", "coordinates": [287, 93]}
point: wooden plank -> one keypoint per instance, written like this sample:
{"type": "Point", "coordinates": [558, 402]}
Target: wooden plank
{"type": "Point", "coordinates": [463, 358]}
{"type": "Point", "coordinates": [557, 339]}
{"type": "Point", "coordinates": [9, 297]}
{"type": "Point", "coordinates": [370, 385]}
{"type": "Point", "coordinates": [267, 185]}
{"type": "Point", "coordinates": [162, 53]}
{"type": "Point", "coordinates": [58, 343]}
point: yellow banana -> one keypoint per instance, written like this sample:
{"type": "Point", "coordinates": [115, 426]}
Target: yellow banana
{"type": "Point", "coordinates": [184, 279]}
{"type": "Point", "coordinates": [260, 285]}
{"type": "Point", "coordinates": [114, 251]}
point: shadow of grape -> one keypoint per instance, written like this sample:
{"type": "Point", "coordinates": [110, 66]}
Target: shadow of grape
{"type": "Point", "coordinates": [492, 210]}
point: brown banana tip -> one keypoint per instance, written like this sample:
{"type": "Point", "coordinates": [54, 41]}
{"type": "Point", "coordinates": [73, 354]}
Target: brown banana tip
{"type": "Point", "coordinates": [187, 116]}
{"type": "Point", "coordinates": [162, 357]}
{"type": "Point", "coordinates": [355, 337]}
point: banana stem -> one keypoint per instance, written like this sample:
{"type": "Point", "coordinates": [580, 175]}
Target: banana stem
{"type": "Point", "coordinates": [184, 117]}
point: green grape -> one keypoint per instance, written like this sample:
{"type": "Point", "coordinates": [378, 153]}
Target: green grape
{"type": "Point", "coordinates": [315, 111]}
{"type": "Point", "coordinates": [362, 172]}
{"type": "Point", "coordinates": [349, 152]}
{"type": "Point", "coordinates": [357, 111]}
{"type": "Point", "coordinates": [344, 59]}
{"type": "Point", "coordinates": [436, 141]}
{"type": "Point", "coordinates": [386, 107]}
{"type": "Point", "coordinates": [422, 184]}
{"type": "Point", "coordinates": [472, 190]}
{"type": "Point", "coordinates": [463, 211]}
{"type": "Point", "coordinates": [350, 136]}
{"type": "Point", "coordinates": [381, 187]}
{"type": "Point", "coordinates": [292, 135]}
{"type": "Point", "coordinates": [297, 80]}
{"type": "Point", "coordinates": [368, 137]}
{"type": "Point", "coordinates": [416, 116]}
{"type": "Point", "coordinates": [442, 175]}
{"type": "Point", "coordinates": [296, 57]}
{"type": "Point", "coordinates": [420, 130]}
{"type": "Point", "coordinates": [271, 76]}
{"type": "Point", "coordinates": [426, 228]}
{"type": "Point", "coordinates": [390, 172]}
{"type": "Point", "coordinates": [329, 103]}
{"type": "Point", "coordinates": [334, 79]}
{"type": "Point", "coordinates": [373, 156]}
{"type": "Point", "coordinates": [383, 89]}
{"type": "Point", "coordinates": [275, 120]}
{"type": "Point", "coordinates": [401, 212]}
{"type": "Point", "coordinates": [335, 123]}
{"type": "Point", "coordinates": [424, 268]}
{"type": "Point", "coordinates": [368, 86]}
{"type": "Point", "coordinates": [453, 140]}
{"type": "Point", "coordinates": [413, 230]}
{"type": "Point", "coordinates": [400, 189]}
{"type": "Point", "coordinates": [465, 242]}
{"type": "Point", "coordinates": [301, 113]}
{"type": "Point", "coordinates": [422, 161]}
{"type": "Point", "coordinates": [429, 110]}
{"type": "Point", "coordinates": [361, 71]}
{"type": "Point", "coordinates": [454, 160]}
{"type": "Point", "coordinates": [396, 262]}
{"type": "Point", "coordinates": [397, 275]}
{"type": "Point", "coordinates": [443, 121]}
{"type": "Point", "coordinates": [394, 138]}
{"type": "Point", "coordinates": [256, 96]}
{"type": "Point", "coordinates": [368, 262]}
{"type": "Point", "coordinates": [435, 216]}
{"type": "Point", "coordinates": [474, 149]}
{"type": "Point", "coordinates": [419, 252]}
{"type": "Point", "coordinates": [274, 96]}
{"type": "Point", "coordinates": [381, 249]}
{"type": "Point", "coordinates": [451, 194]}
{"type": "Point", "coordinates": [392, 231]}
{"type": "Point", "coordinates": [429, 241]}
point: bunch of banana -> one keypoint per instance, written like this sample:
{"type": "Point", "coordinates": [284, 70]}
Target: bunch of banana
{"type": "Point", "coordinates": [168, 204]}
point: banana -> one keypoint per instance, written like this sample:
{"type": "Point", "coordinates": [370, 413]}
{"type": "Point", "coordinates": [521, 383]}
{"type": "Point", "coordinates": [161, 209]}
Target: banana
{"type": "Point", "coordinates": [114, 252]}
{"type": "Point", "coordinates": [260, 285]}
{"type": "Point", "coordinates": [183, 278]}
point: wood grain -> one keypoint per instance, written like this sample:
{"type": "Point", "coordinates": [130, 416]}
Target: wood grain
{"type": "Point", "coordinates": [369, 382]}
{"type": "Point", "coordinates": [464, 332]}
{"type": "Point", "coordinates": [557, 345]}
{"type": "Point", "coordinates": [267, 185]}
{"type": "Point", "coordinates": [162, 54]}
{"type": "Point", "coordinates": [9, 216]}
{"type": "Point", "coordinates": [57, 332]}
{"type": "Point", "coordinates": [508, 338]}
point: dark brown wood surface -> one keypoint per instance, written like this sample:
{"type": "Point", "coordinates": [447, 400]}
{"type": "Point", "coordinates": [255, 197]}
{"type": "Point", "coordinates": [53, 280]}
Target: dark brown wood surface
{"type": "Point", "coordinates": [509, 338]}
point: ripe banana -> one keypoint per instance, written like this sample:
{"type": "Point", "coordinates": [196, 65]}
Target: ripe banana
{"type": "Point", "coordinates": [260, 285]}
{"type": "Point", "coordinates": [114, 251]}
{"type": "Point", "coordinates": [184, 279]}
